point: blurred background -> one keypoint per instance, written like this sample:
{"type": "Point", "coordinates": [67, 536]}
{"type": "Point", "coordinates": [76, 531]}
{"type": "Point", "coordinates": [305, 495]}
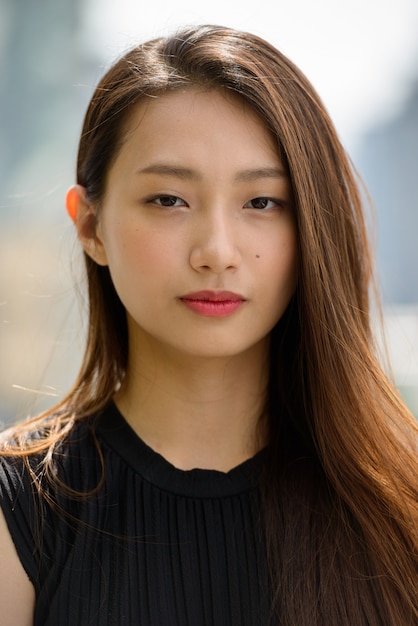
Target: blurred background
{"type": "Point", "coordinates": [362, 57]}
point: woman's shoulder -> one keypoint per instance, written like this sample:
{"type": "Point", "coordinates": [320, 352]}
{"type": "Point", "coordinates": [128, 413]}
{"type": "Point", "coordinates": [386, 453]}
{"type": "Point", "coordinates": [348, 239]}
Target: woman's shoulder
{"type": "Point", "coordinates": [46, 464]}
{"type": "Point", "coordinates": [43, 471]}
{"type": "Point", "coordinates": [54, 445]}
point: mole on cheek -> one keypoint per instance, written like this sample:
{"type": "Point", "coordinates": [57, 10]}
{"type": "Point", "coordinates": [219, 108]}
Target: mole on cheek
{"type": "Point", "coordinates": [257, 256]}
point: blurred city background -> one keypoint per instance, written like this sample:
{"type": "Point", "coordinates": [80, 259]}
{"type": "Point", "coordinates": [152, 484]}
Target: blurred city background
{"type": "Point", "coordinates": [361, 55]}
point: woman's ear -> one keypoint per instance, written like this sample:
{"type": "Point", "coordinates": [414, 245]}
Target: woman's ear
{"type": "Point", "coordinates": [83, 214]}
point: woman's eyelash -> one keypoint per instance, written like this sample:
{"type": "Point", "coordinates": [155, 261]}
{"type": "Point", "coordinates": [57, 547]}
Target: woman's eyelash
{"type": "Point", "coordinates": [167, 200]}
{"type": "Point", "coordinates": [263, 203]}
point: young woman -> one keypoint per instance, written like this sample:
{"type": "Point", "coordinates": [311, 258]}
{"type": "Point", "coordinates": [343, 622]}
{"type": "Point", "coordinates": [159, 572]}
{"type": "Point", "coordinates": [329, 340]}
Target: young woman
{"type": "Point", "coordinates": [231, 452]}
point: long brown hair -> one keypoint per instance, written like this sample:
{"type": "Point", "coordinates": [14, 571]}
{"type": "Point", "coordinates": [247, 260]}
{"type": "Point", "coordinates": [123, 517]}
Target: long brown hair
{"type": "Point", "coordinates": [339, 494]}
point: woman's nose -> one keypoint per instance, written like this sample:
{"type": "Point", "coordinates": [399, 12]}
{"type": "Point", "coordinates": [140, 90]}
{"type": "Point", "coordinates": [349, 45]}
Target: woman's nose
{"type": "Point", "coordinates": [215, 244]}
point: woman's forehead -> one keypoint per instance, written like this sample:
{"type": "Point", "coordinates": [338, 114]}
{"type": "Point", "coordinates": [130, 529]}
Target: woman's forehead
{"type": "Point", "coordinates": [194, 126]}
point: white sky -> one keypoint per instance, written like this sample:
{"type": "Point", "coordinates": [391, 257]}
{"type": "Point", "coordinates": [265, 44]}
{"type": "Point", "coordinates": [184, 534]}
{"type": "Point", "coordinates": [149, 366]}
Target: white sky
{"type": "Point", "coordinates": [359, 54]}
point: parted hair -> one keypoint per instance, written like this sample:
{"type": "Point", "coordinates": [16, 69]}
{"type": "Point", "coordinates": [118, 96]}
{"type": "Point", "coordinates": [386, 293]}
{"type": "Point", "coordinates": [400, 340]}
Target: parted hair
{"type": "Point", "coordinates": [339, 490]}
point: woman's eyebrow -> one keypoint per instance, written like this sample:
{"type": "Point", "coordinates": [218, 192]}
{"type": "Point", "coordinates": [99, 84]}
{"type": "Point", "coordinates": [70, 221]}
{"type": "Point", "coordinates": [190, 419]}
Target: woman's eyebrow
{"type": "Point", "coordinates": [260, 172]}
{"type": "Point", "coordinates": [186, 173]}
{"type": "Point", "coordinates": [166, 169]}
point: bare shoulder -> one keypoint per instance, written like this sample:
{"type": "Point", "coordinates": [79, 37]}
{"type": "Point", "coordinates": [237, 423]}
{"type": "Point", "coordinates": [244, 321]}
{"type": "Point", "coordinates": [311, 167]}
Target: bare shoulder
{"type": "Point", "coordinates": [17, 595]}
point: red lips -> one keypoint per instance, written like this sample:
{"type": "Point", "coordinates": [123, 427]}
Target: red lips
{"type": "Point", "coordinates": [213, 303]}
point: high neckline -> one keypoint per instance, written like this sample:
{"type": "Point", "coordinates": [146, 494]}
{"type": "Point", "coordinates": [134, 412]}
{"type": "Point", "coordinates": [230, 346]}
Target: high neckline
{"type": "Point", "coordinates": [115, 431]}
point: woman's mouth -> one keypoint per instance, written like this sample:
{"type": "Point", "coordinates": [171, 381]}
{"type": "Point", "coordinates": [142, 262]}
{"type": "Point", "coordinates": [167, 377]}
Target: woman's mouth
{"type": "Point", "coordinates": [213, 303]}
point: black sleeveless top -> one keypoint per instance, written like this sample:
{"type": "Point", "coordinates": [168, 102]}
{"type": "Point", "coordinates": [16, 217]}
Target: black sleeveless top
{"type": "Point", "coordinates": [151, 544]}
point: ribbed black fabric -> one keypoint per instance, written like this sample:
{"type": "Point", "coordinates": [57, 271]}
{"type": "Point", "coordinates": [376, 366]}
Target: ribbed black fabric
{"type": "Point", "coordinates": [153, 546]}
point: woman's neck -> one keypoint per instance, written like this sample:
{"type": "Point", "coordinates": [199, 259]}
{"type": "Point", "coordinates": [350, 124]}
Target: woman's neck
{"type": "Point", "coordinates": [197, 412]}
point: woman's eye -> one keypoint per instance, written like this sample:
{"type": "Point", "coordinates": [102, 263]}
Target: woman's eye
{"type": "Point", "coordinates": [167, 201]}
{"type": "Point", "coordinates": [261, 203]}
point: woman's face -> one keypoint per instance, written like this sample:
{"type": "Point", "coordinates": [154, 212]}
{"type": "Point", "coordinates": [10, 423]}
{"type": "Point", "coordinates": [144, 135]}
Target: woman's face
{"type": "Point", "coordinates": [197, 227]}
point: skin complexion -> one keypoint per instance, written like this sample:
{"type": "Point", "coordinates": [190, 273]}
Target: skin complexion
{"type": "Point", "coordinates": [198, 232]}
